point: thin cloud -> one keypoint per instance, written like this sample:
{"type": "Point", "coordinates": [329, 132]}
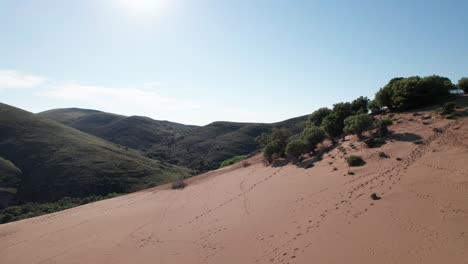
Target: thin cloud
{"type": "Point", "coordinates": [10, 79]}
{"type": "Point", "coordinates": [137, 101]}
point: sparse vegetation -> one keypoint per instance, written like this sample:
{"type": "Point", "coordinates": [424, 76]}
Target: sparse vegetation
{"type": "Point", "coordinates": [383, 125]}
{"type": "Point", "coordinates": [383, 155]}
{"type": "Point", "coordinates": [399, 159]}
{"type": "Point", "coordinates": [357, 124]}
{"type": "Point", "coordinates": [355, 161]}
{"type": "Point", "coordinates": [180, 184]}
{"type": "Point", "coordinates": [351, 173]}
{"type": "Point", "coordinates": [232, 160]}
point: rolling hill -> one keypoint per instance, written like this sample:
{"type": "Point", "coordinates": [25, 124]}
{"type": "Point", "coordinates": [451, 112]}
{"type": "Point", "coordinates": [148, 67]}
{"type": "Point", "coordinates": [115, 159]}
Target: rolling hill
{"type": "Point", "coordinates": [55, 161]}
{"type": "Point", "coordinates": [200, 148]}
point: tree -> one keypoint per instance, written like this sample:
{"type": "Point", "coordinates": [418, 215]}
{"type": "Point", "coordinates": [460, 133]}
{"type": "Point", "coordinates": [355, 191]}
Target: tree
{"type": "Point", "coordinates": [360, 104]}
{"type": "Point", "coordinates": [383, 125]}
{"type": "Point", "coordinates": [270, 149]}
{"type": "Point", "coordinates": [333, 126]}
{"type": "Point", "coordinates": [463, 84]}
{"type": "Point", "coordinates": [281, 136]}
{"type": "Point", "coordinates": [412, 92]}
{"type": "Point", "coordinates": [313, 135]}
{"type": "Point", "coordinates": [296, 148]}
{"type": "Point", "coordinates": [357, 124]}
{"type": "Point", "coordinates": [315, 119]}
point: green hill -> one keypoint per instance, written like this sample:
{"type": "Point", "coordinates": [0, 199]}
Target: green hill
{"type": "Point", "coordinates": [201, 148]}
{"type": "Point", "coordinates": [135, 132]}
{"type": "Point", "coordinates": [58, 161]}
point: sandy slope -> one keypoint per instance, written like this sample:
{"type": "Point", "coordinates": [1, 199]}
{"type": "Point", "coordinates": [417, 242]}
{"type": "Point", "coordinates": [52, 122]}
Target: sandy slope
{"type": "Point", "coordinates": [287, 214]}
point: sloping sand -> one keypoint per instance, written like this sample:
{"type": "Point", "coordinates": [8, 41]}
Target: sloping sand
{"type": "Point", "coordinates": [284, 214]}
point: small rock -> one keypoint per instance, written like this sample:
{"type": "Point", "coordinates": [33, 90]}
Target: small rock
{"type": "Point", "coordinates": [374, 196]}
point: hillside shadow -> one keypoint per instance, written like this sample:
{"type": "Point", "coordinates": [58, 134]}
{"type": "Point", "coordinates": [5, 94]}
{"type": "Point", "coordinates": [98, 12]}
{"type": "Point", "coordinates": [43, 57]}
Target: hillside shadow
{"type": "Point", "coordinates": [406, 137]}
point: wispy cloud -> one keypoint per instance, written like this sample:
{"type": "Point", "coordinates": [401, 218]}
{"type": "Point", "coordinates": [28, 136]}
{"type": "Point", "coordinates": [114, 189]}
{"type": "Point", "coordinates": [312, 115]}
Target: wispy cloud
{"type": "Point", "coordinates": [138, 101]}
{"type": "Point", "coordinates": [10, 79]}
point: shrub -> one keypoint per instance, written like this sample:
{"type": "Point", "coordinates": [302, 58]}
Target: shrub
{"type": "Point", "coordinates": [399, 159]}
{"type": "Point", "coordinates": [351, 173]}
{"type": "Point", "coordinates": [359, 105]}
{"type": "Point", "coordinates": [308, 166]}
{"type": "Point", "coordinates": [313, 135]}
{"type": "Point", "coordinates": [232, 160]}
{"type": "Point", "coordinates": [407, 93]}
{"type": "Point", "coordinates": [383, 125]}
{"type": "Point", "coordinates": [357, 124]}
{"type": "Point", "coordinates": [332, 125]}
{"type": "Point", "coordinates": [270, 149]}
{"type": "Point", "coordinates": [354, 161]}
{"type": "Point", "coordinates": [463, 84]}
{"type": "Point", "coordinates": [180, 184]}
{"type": "Point", "coordinates": [383, 154]}
{"type": "Point", "coordinates": [296, 148]}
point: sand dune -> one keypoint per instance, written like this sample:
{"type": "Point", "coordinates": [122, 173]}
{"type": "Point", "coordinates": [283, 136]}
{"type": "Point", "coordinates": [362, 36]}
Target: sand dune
{"type": "Point", "coordinates": [279, 214]}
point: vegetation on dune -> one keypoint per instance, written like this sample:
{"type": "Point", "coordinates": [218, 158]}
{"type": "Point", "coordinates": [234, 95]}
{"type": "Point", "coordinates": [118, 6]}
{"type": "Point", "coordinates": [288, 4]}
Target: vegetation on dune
{"type": "Point", "coordinates": [355, 161]}
{"type": "Point", "coordinates": [357, 124]}
{"type": "Point", "coordinates": [233, 160]}
{"type": "Point", "coordinates": [296, 148]}
{"type": "Point", "coordinates": [383, 125]}
{"type": "Point", "coordinates": [313, 135]}
{"type": "Point", "coordinates": [412, 92]}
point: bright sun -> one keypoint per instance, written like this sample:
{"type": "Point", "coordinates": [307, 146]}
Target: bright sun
{"type": "Point", "coordinates": [141, 6]}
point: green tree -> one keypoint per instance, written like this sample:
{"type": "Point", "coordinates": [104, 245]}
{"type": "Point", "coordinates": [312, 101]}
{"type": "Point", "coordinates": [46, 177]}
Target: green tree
{"type": "Point", "coordinates": [357, 124]}
{"type": "Point", "coordinates": [383, 125]}
{"type": "Point", "coordinates": [313, 135]}
{"type": "Point", "coordinates": [463, 84]}
{"type": "Point", "coordinates": [315, 119]}
{"type": "Point", "coordinates": [296, 148]}
{"type": "Point", "coordinates": [333, 126]}
{"type": "Point", "coordinates": [270, 149]}
{"type": "Point", "coordinates": [360, 104]}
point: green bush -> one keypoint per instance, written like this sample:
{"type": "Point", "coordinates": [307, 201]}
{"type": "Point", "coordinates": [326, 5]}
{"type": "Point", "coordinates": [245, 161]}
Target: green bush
{"type": "Point", "coordinates": [412, 92]}
{"type": "Point", "coordinates": [354, 161]}
{"type": "Point", "coordinates": [316, 118]}
{"type": "Point", "coordinates": [357, 124]}
{"type": "Point", "coordinates": [313, 136]}
{"type": "Point", "coordinates": [360, 104]}
{"type": "Point", "coordinates": [270, 149]}
{"type": "Point", "coordinates": [383, 125]}
{"type": "Point", "coordinates": [232, 160]}
{"type": "Point", "coordinates": [296, 148]}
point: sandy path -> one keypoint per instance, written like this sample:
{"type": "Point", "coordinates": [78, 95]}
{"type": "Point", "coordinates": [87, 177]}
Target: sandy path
{"type": "Point", "coordinates": [261, 214]}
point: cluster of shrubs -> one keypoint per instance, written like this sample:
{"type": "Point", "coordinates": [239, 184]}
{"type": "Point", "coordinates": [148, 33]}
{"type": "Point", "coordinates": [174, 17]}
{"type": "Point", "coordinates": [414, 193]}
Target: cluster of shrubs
{"type": "Point", "coordinates": [28, 210]}
{"type": "Point", "coordinates": [408, 93]}
{"type": "Point", "coordinates": [353, 117]}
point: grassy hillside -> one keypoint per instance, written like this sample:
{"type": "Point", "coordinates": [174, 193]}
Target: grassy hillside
{"type": "Point", "coordinates": [58, 161]}
{"type": "Point", "coordinates": [200, 148]}
{"type": "Point", "coordinates": [135, 132]}
{"type": "Point", "coordinates": [10, 178]}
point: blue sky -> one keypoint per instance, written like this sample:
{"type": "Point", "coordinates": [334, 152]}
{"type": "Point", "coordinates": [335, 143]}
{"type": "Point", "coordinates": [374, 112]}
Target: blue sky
{"type": "Point", "coordinates": [198, 61]}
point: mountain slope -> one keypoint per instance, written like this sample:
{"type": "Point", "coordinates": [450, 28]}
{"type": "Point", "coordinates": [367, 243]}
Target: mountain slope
{"type": "Point", "coordinates": [281, 214]}
{"type": "Point", "coordinates": [58, 161]}
{"type": "Point", "coordinates": [201, 148]}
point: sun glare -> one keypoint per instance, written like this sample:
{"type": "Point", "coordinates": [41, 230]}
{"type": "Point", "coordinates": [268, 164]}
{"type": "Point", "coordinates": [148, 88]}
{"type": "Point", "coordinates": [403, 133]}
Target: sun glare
{"type": "Point", "coordinates": [140, 6]}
